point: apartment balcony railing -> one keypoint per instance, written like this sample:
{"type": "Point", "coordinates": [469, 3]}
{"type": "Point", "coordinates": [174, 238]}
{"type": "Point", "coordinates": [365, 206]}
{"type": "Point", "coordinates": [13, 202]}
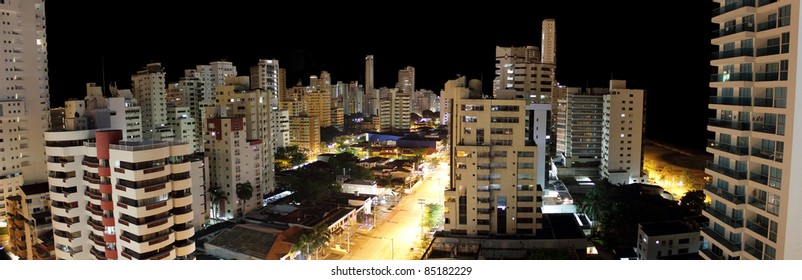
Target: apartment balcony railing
{"type": "Point", "coordinates": [733, 6]}
{"type": "Point", "coordinates": [722, 240]}
{"type": "Point", "coordinates": [712, 255]}
{"type": "Point", "coordinates": [738, 175]}
{"type": "Point", "coordinates": [736, 150]}
{"type": "Point", "coordinates": [759, 178]}
{"type": "Point", "coordinates": [755, 252]}
{"type": "Point", "coordinates": [733, 53]}
{"type": "Point", "coordinates": [757, 228]}
{"type": "Point", "coordinates": [762, 3]}
{"type": "Point", "coordinates": [770, 50]}
{"type": "Point", "coordinates": [731, 100]}
{"type": "Point", "coordinates": [731, 124]}
{"type": "Point", "coordinates": [767, 154]}
{"type": "Point", "coordinates": [769, 102]}
{"type": "Point", "coordinates": [731, 197]}
{"type": "Point", "coordinates": [765, 128]}
{"type": "Point", "coordinates": [771, 76]}
{"type": "Point", "coordinates": [732, 77]}
{"type": "Point", "coordinates": [735, 223]}
{"type": "Point", "coordinates": [757, 202]}
{"type": "Point", "coordinates": [729, 30]}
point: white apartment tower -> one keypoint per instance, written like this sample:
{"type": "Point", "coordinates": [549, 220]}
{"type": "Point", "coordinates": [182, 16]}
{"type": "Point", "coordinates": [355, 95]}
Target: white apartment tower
{"type": "Point", "coordinates": [234, 160]}
{"type": "Point", "coordinates": [150, 89]}
{"type": "Point", "coordinates": [406, 80]}
{"type": "Point", "coordinates": [622, 134]}
{"type": "Point", "coordinates": [24, 96]}
{"type": "Point", "coordinates": [755, 187]}
{"type": "Point", "coordinates": [521, 69]}
{"type": "Point", "coordinates": [214, 75]}
{"type": "Point", "coordinates": [493, 188]}
{"type": "Point", "coordinates": [265, 76]}
{"type": "Point", "coordinates": [234, 100]}
{"type": "Point", "coordinates": [537, 127]}
{"type": "Point", "coordinates": [548, 42]}
{"type": "Point", "coordinates": [116, 199]}
{"type": "Point", "coordinates": [580, 126]}
{"type": "Point", "coordinates": [394, 112]}
{"type": "Point", "coordinates": [280, 124]}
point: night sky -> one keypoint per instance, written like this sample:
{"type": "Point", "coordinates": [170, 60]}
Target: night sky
{"type": "Point", "coordinates": [666, 52]}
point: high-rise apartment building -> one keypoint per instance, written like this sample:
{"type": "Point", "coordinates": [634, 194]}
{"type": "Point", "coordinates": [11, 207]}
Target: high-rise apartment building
{"type": "Point", "coordinates": [265, 76]}
{"type": "Point", "coordinates": [29, 223]}
{"type": "Point", "coordinates": [117, 199]}
{"type": "Point", "coordinates": [579, 126]}
{"type": "Point", "coordinates": [234, 160]}
{"type": "Point", "coordinates": [24, 96]}
{"type": "Point", "coordinates": [538, 121]}
{"type": "Point", "coordinates": [280, 124]}
{"type": "Point", "coordinates": [352, 101]}
{"type": "Point", "coordinates": [305, 132]}
{"type": "Point", "coordinates": [406, 80]}
{"type": "Point", "coordinates": [548, 42]}
{"type": "Point", "coordinates": [394, 112]}
{"type": "Point", "coordinates": [622, 134]}
{"type": "Point", "coordinates": [370, 101]}
{"type": "Point", "coordinates": [493, 188]}
{"type": "Point", "coordinates": [423, 100]}
{"type": "Point", "coordinates": [521, 69]}
{"type": "Point", "coordinates": [214, 75]}
{"type": "Point", "coordinates": [754, 187]}
{"type": "Point", "coordinates": [150, 89]}
{"type": "Point", "coordinates": [235, 100]}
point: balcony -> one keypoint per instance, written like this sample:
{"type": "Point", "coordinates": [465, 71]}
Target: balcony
{"type": "Point", "coordinates": [731, 124]}
{"type": "Point", "coordinates": [729, 30]}
{"type": "Point", "coordinates": [765, 128]}
{"type": "Point", "coordinates": [765, 2]}
{"type": "Point", "coordinates": [733, 53]}
{"type": "Point", "coordinates": [732, 173]}
{"type": "Point", "coordinates": [735, 223]}
{"type": "Point", "coordinates": [768, 25]}
{"type": "Point", "coordinates": [736, 150]}
{"type": "Point", "coordinates": [757, 253]}
{"type": "Point", "coordinates": [771, 76]}
{"type": "Point", "coordinates": [737, 199]}
{"type": "Point", "coordinates": [732, 77]}
{"type": "Point", "coordinates": [757, 202]}
{"type": "Point", "coordinates": [721, 239]}
{"type": "Point", "coordinates": [757, 228]}
{"type": "Point", "coordinates": [731, 100]}
{"type": "Point", "coordinates": [153, 255]}
{"type": "Point", "coordinates": [769, 102]}
{"type": "Point", "coordinates": [767, 154]}
{"type": "Point", "coordinates": [710, 255]}
{"type": "Point", "coordinates": [759, 178]}
{"type": "Point", "coordinates": [770, 50]}
{"type": "Point", "coordinates": [732, 7]}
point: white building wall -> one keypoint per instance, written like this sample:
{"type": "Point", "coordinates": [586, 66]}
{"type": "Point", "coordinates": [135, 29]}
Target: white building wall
{"type": "Point", "coordinates": [622, 143]}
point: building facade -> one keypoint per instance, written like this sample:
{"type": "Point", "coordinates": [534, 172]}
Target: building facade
{"type": "Point", "coordinates": [755, 203]}
{"type": "Point", "coordinates": [493, 187]}
{"type": "Point", "coordinates": [579, 126]}
{"type": "Point", "coordinates": [117, 199]}
{"type": "Point", "coordinates": [622, 134]}
{"type": "Point", "coordinates": [29, 223]}
{"type": "Point", "coordinates": [24, 98]}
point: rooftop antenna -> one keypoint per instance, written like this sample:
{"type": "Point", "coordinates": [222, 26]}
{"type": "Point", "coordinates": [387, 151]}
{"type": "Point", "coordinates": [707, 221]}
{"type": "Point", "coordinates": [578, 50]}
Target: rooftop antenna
{"type": "Point", "coordinates": [103, 75]}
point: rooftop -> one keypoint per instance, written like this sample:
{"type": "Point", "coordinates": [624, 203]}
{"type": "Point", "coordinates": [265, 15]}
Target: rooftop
{"type": "Point", "coordinates": [360, 182]}
{"type": "Point", "coordinates": [665, 228]}
{"type": "Point", "coordinates": [35, 189]}
{"type": "Point", "coordinates": [250, 239]}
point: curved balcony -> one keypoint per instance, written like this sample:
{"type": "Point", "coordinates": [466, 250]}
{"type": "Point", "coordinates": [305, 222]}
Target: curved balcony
{"type": "Point", "coordinates": [99, 255]}
{"type": "Point", "coordinates": [95, 225]}
{"type": "Point", "coordinates": [151, 244]}
{"type": "Point", "coordinates": [145, 210]}
{"type": "Point", "coordinates": [180, 167]}
{"type": "Point", "coordinates": [63, 209]}
{"type": "Point", "coordinates": [184, 248]}
{"type": "Point", "coordinates": [147, 227]}
{"type": "Point", "coordinates": [182, 201]}
{"type": "Point", "coordinates": [167, 253]}
{"type": "Point", "coordinates": [182, 215]}
{"type": "Point", "coordinates": [64, 223]}
{"type": "Point", "coordinates": [184, 233]}
{"type": "Point", "coordinates": [142, 174]}
{"type": "Point", "coordinates": [146, 191]}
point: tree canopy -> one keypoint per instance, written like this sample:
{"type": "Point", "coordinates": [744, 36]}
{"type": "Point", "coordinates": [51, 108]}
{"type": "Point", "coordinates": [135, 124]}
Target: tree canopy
{"type": "Point", "coordinates": [433, 215]}
{"type": "Point", "coordinates": [289, 156]}
{"type": "Point", "coordinates": [694, 201]}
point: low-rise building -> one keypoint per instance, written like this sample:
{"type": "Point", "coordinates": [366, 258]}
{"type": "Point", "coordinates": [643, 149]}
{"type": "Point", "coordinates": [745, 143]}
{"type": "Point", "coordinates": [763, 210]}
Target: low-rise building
{"type": "Point", "coordinates": [657, 240]}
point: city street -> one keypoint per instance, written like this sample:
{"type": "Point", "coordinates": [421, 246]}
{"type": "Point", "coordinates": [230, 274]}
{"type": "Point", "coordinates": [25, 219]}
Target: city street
{"type": "Point", "coordinates": [400, 229]}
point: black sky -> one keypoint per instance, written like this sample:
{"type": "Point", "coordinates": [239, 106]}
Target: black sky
{"type": "Point", "coordinates": [663, 48]}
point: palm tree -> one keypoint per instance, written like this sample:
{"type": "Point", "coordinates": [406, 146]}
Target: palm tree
{"type": "Point", "coordinates": [320, 239]}
{"type": "Point", "coordinates": [217, 195]}
{"type": "Point", "coordinates": [244, 192]}
{"type": "Point", "coordinates": [302, 246]}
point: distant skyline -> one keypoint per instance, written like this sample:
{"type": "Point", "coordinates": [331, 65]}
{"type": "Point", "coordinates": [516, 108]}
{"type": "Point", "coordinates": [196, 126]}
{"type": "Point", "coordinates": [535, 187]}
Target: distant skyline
{"type": "Point", "coordinates": [595, 41]}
